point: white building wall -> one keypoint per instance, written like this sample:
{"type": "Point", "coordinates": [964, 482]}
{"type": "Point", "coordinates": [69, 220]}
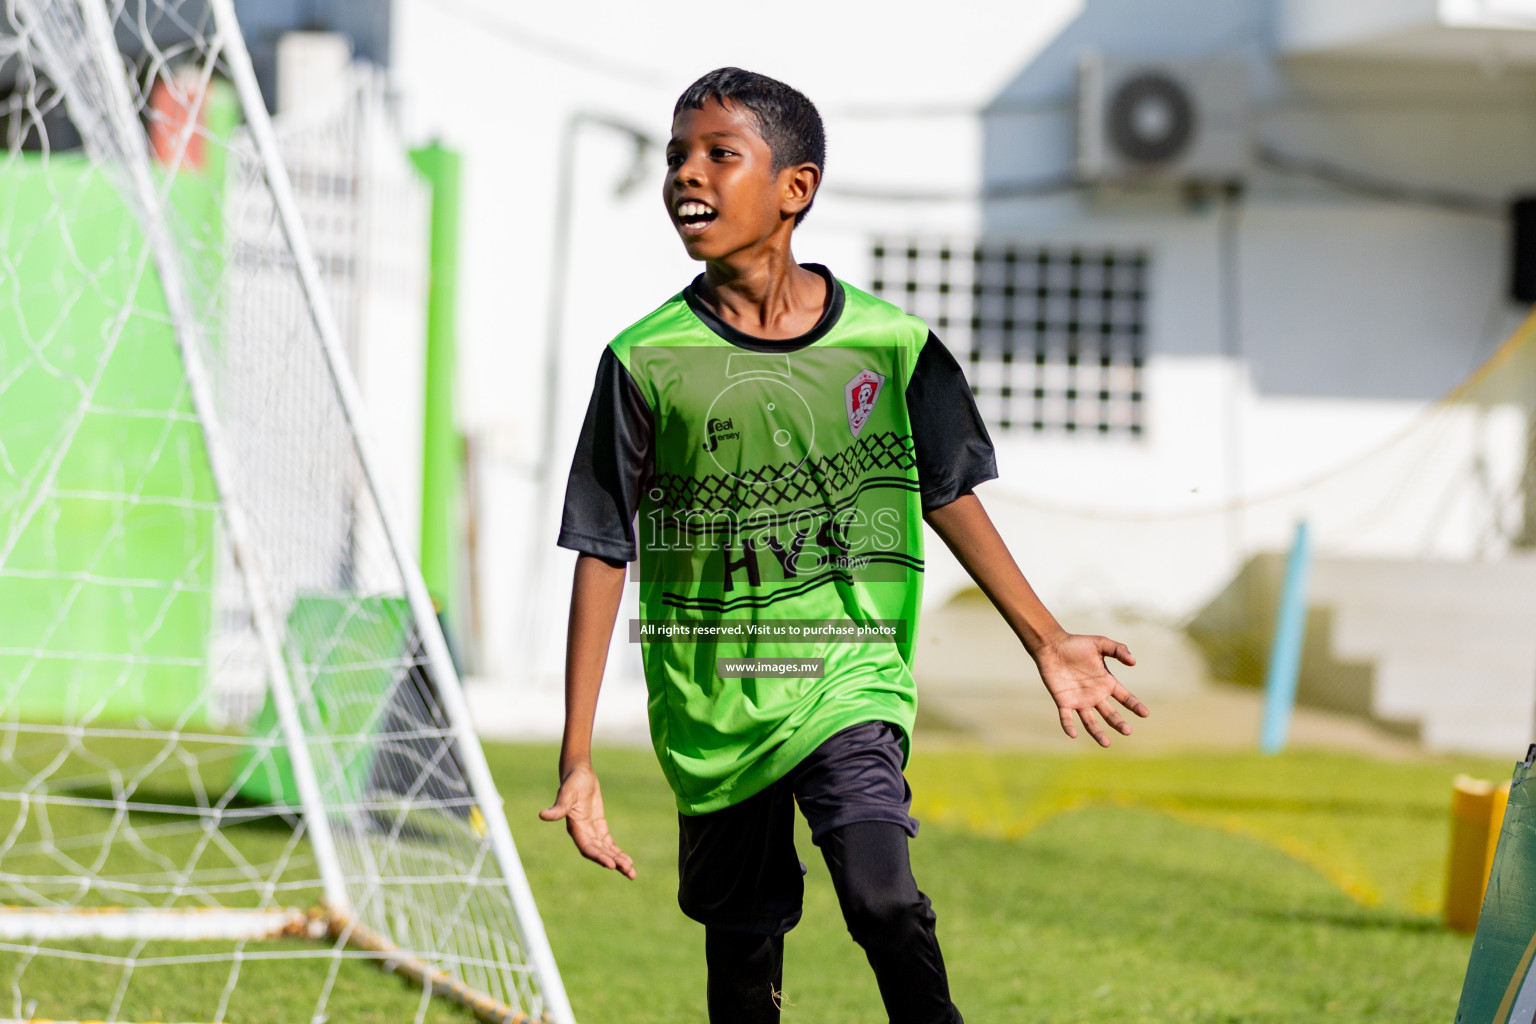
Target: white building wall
{"type": "Point", "coordinates": [1353, 312]}
{"type": "Point", "coordinates": [1351, 315]}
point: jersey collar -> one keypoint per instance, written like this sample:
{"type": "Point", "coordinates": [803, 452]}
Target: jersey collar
{"type": "Point", "coordinates": [829, 317]}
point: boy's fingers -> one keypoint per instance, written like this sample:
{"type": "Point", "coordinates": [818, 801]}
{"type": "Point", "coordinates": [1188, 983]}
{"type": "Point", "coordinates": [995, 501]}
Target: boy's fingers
{"type": "Point", "coordinates": [1112, 717]}
{"type": "Point", "coordinates": [1093, 725]}
{"type": "Point", "coordinates": [594, 851]}
{"type": "Point", "coordinates": [1114, 649]}
{"type": "Point", "coordinates": [626, 864]}
{"type": "Point", "coordinates": [1132, 702]}
{"type": "Point", "coordinates": [598, 845]}
{"type": "Point", "coordinates": [588, 836]}
{"type": "Point", "coordinates": [555, 812]}
{"type": "Point", "coordinates": [603, 850]}
{"type": "Point", "coordinates": [1066, 723]}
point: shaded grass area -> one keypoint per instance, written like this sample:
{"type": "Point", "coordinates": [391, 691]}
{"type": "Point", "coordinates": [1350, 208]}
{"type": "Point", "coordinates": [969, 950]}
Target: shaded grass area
{"type": "Point", "coordinates": [1196, 888]}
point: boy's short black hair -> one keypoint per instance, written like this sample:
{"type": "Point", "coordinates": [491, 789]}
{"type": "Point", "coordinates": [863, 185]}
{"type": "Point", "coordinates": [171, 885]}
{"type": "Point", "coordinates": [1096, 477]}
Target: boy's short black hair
{"type": "Point", "coordinates": [786, 119]}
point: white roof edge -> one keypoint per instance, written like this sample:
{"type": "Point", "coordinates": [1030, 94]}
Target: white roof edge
{"type": "Point", "coordinates": [1445, 29]}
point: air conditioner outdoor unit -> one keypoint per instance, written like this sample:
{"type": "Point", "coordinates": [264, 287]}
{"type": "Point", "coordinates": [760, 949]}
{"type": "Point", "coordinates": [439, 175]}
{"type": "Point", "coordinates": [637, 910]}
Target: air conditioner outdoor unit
{"type": "Point", "coordinates": [1154, 120]}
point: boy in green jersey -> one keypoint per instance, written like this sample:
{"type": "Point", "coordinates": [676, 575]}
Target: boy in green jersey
{"type": "Point", "coordinates": [768, 443]}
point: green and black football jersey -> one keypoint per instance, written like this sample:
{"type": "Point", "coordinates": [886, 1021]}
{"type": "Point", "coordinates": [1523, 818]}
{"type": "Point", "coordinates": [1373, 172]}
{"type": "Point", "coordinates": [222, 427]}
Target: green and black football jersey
{"type": "Point", "coordinates": [773, 492]}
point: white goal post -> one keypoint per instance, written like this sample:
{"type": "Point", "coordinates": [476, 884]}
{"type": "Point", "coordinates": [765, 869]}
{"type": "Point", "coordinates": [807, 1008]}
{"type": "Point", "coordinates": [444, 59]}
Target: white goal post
{"type": "Point", "coordinates": [189, 501]}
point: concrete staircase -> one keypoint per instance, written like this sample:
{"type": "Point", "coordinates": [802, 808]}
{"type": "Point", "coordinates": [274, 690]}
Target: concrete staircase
{"type": "Point", "coordinates": [1452, 644]}
{"type": "Point", "coordinates": [1442, 650]}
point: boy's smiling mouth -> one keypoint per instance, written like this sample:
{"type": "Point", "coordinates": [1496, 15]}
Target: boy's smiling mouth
{"type": "Point", "coordinates": [694, 216]}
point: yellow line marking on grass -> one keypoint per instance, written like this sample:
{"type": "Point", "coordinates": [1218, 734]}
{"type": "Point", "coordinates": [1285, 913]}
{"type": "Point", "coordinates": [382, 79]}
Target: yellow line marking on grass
{"type": "Point", "coordinates": [997, 820]}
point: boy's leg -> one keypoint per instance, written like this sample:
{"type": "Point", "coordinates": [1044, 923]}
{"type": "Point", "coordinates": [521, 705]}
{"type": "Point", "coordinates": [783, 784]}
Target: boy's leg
{"type": "Point", "coordinates": [746, 976]}
{"type": "Point", "coordinates": [853, 794]}
{"type": "Point", "coordinates": [891, 919]}
{"type": "Point", "coordinates": [739, 876]}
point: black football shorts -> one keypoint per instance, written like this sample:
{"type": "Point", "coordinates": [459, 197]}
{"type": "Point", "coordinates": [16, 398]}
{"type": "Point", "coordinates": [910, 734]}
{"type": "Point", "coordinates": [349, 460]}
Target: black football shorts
{"type": "Point", "coordinates": [737, 867]}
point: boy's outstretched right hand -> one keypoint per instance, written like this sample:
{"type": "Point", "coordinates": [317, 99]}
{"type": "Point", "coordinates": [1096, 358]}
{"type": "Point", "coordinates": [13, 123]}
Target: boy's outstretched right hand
{"type": "Point", "coordinates": [580, 803]}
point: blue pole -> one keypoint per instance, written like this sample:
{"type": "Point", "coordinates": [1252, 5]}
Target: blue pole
{"type": "Point", "coordinates": [1285, 655]}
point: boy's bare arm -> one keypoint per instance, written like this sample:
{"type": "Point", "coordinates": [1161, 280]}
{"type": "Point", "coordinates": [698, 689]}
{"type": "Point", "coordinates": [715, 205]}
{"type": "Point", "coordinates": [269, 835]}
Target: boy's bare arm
{"type": "Point", "coordinates": [1072, 666]}
{"type": "Point", "coordinates": [595, 594]}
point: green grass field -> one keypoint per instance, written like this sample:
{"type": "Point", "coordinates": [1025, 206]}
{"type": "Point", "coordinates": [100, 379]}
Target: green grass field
{"type": "Point", "coordinates": [1103, 887]}
{"type": "Point", "coordinates": [1094, 888]}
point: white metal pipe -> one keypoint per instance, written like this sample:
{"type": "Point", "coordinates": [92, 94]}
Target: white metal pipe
{"type": "Point", "coordinates": [535, 942]}
{"type": "Point", "coordinates": [156, 923]}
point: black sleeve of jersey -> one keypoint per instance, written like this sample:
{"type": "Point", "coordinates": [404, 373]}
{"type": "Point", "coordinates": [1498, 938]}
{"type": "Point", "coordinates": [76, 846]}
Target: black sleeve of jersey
{"type": "Point", "coordinates": [950, 442]}
{"type": "Point", "coordinates": [610, 468]}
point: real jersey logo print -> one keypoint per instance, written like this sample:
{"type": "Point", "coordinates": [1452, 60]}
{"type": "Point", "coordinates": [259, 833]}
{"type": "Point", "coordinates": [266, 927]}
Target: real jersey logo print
{"type": "Point", "coordinates": [859, 397]}
{"type": "Point", "coordinates": [720, 430]}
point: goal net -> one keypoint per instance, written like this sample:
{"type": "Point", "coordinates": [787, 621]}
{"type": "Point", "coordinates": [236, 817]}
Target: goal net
{"type": "Point", "coordinates": [236, 771]}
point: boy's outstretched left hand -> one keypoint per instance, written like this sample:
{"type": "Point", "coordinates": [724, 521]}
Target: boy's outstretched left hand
{"type": "Point", "coordinates": [1074, 670]}
{"type": "Point", "coordinates": [1072, 666]}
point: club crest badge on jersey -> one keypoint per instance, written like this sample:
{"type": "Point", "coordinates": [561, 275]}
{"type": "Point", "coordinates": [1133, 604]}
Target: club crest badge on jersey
{"type": "Point", "coordinates": [859, 397]}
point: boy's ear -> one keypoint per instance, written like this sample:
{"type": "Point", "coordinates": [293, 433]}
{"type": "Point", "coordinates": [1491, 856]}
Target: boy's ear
{"type": "Point", "coordinates": [799, 184]}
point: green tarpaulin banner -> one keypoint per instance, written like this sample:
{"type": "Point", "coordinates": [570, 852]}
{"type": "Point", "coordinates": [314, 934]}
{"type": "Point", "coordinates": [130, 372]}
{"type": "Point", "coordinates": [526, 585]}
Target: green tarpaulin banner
{"type": "Point", "coordinates": [350, 656]}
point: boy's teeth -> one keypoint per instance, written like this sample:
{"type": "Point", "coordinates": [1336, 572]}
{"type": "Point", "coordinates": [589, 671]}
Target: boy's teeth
{"type": "Point", "coordinates": [693, 210]}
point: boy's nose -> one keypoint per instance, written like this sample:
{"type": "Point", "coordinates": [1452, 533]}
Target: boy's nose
{"type": "Point", "coordinates": [689, 172]}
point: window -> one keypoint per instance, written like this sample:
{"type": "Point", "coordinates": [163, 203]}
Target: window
{"type": "Point", "coordinates": [1053, 337]}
